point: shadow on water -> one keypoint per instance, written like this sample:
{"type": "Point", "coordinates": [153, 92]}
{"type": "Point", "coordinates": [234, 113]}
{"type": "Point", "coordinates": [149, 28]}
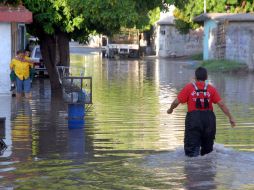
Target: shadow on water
{"type": "Point", "coordinates": [128, 141]}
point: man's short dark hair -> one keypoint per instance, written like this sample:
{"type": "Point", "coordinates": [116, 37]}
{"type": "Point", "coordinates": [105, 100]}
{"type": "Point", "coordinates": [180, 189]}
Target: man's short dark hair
{"type": "Point", "coordinates": [201, 73]}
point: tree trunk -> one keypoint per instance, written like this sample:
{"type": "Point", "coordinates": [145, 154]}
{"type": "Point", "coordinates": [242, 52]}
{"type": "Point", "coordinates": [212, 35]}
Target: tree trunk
{"type": "Point", "coordinates": [48, 46]}
{"type": "Point", "coordinates": [55, 51]}
{"type": "Point", "coordinates": [63, 49]}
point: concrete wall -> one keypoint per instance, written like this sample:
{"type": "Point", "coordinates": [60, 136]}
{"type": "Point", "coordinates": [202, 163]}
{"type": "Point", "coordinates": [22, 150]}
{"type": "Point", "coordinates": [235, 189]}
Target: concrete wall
{"type": "Point", "coordinates": [240, 43]}
{"type": "Point", "coordinates": [173, 44]}
{"type": "Point", "coordinates": [5, 57]}
{"type": "Point", "coordinates": [5, 111]}
{"type": "Point", "coordinates": [5, 97]}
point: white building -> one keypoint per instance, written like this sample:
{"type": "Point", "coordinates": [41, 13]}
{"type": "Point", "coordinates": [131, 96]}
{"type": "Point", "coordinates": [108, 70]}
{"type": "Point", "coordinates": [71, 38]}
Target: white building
{"type": "Point", "coordinates": [170, 43]}
{"type": "Point", "coordinates": [12, 38]}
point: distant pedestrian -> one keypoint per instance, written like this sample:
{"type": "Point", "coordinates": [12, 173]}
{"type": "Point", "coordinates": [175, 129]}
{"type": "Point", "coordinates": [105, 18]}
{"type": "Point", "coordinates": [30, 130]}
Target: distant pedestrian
{"type": "Point", "coordinates": [21, 68]}
{"type": "Point", "coordinates": [142, 45]}
{"type": "Point", "coordinates": [200, 122]}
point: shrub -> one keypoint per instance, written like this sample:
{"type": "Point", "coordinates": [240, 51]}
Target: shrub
{"type": "Point", "coordinates": [224, 66]}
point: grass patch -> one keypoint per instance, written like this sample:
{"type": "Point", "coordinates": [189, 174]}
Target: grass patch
{"type": "Point", "coordinates": [224, 66]}
{"type": "Point", "coordinates": [197, 56]}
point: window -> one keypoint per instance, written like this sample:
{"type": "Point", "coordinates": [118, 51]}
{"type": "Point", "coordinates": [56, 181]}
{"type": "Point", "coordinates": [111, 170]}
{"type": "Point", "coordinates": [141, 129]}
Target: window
{"type": "Point", "coordinates": [21, 36]}
{"type": "Point", "coordinates": [162, 32]}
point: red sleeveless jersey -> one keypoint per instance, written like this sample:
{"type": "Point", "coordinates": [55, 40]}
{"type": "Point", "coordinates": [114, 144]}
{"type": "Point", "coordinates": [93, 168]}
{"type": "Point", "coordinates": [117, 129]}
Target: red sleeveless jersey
{"type": "Point", "coordinates": [189, 95]}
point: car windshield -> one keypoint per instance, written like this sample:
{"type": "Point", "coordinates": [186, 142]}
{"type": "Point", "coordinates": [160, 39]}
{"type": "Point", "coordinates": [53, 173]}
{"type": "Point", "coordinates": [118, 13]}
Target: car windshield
{"type": "Point", "coordinates": [37, 53]}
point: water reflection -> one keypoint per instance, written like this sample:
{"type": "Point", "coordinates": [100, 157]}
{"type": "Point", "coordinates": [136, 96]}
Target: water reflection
{"type": "Point", "coordinates": [21, 126]}
{"type": "Point", "coordinates": [76, 144]}
{"type": "Point", "coordinates": [51, 130]}
{"type": "Point", "coordinates": [128, 141]}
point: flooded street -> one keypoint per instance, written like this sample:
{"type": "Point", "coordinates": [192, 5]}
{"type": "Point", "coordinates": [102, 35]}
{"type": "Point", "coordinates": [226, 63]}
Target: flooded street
{"type": "Point", "coordinates": [128, 141]}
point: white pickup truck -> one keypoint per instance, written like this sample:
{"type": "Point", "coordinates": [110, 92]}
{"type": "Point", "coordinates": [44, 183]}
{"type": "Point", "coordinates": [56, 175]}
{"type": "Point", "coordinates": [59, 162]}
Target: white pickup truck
{"type": "Point", "coordinates": [124, 44]}
{"type": "Point", "coordinates": [36, 58]}
{"type": "Point", "coordinates": [127, 50]}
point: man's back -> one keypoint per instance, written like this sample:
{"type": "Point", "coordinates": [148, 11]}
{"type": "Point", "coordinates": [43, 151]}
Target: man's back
{"type": "Point", "coordinates": [190, 95]}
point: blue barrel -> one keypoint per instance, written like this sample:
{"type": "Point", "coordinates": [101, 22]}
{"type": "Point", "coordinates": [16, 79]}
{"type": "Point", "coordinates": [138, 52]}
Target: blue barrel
{"type": "Point", "coordinates": [76, 114]}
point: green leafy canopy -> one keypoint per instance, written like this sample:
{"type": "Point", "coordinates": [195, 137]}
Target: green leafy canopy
{"type": "Point", "coordinates": [188, 9]}
{"type": "Point", "coordinates": [80, 17]}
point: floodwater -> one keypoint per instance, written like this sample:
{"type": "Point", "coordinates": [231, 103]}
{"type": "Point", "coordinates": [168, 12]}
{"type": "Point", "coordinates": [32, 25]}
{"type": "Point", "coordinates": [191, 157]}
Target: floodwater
{"type": "Point", "coordinates": [128, 141]}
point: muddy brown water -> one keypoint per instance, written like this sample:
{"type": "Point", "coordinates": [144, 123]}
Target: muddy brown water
{"type": "Point", "coordinates": [128, 141]}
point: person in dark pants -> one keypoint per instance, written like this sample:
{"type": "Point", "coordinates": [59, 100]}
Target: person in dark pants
{"type": "Point", "coordinates": [21, 68]}
{"type": "Point", "coordinates": [200, 121]}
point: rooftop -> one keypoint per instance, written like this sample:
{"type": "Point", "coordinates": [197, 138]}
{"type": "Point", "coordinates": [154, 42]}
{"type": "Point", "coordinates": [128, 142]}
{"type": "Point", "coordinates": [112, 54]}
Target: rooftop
{"type": "Point", "coordinates": [15, 14]}
{"type": "Point", "coordinates": [167, 20]}
{"type": "Point", "coordinates": [225, 17]}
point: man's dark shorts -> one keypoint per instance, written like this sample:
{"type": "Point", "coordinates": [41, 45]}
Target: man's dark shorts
{"type": "Point", "coordinates": [200, 130]}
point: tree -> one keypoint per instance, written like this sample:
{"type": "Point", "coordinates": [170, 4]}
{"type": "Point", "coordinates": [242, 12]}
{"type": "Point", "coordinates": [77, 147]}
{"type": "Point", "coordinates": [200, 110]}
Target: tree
{"type": "Point", "coordinates": [188, 9]}
{"type": "Point", "coordinates": [55, 22]}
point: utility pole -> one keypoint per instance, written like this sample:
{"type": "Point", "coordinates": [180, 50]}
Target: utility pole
{"type": "Point", "coordinates": [204, 6]}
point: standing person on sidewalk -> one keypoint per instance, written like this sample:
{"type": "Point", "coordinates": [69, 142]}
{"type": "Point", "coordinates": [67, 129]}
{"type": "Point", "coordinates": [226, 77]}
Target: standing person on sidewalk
{"type": "Point", "coordinates": [13, 77]}
{"type": "Point", "coordinates": [200, 122]}
{"type": "Point", "coordinates": [21, 68]}
{"type": "Point", "coordinates": [31, 70]}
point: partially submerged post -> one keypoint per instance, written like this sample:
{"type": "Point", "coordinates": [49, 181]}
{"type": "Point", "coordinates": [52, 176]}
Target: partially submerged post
{"type": "Point", "coordinates": [3, 146]}
{"type": "Point", "coordinates": [2, 127]}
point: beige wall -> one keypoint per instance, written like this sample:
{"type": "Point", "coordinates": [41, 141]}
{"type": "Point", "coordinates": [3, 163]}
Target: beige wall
{"type": "Point", "coordinates": [173, 44]}
{"type": "Point", "coordinates": [240, 42]}
{"type": "Point", "coordinates": [5, 57]}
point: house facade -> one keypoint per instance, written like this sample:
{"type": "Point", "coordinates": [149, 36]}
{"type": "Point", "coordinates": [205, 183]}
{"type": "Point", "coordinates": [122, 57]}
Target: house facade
{"type": "Point", "coordinates": [170, 43]}
{"type": "Point", "coordinates": [12, 38]}
{"type": "Point", "coordinates": [228, 36]}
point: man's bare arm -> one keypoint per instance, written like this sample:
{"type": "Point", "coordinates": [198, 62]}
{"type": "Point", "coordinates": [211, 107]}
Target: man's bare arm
{"type": "Point", "coordinates": [174, 104]}
{"type": "Point", "coordinates": [226, 111]}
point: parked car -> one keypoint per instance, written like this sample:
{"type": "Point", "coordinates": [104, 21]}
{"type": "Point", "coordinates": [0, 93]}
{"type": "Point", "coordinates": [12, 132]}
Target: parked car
{"type": "Point", "coordinates": [35, 57]}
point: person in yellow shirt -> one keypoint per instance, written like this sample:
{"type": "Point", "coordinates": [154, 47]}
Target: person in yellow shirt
{"type": "Point", "coordinates": [27, 56]}
{"type": "Point", "coordinates": [21, 68]}
{"type": "Point", "coordinates": [28, 59]}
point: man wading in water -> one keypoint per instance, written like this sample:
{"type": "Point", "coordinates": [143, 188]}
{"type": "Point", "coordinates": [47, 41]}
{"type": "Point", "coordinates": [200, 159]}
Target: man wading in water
{"type": "Point", "coordinates": [200, 121]}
